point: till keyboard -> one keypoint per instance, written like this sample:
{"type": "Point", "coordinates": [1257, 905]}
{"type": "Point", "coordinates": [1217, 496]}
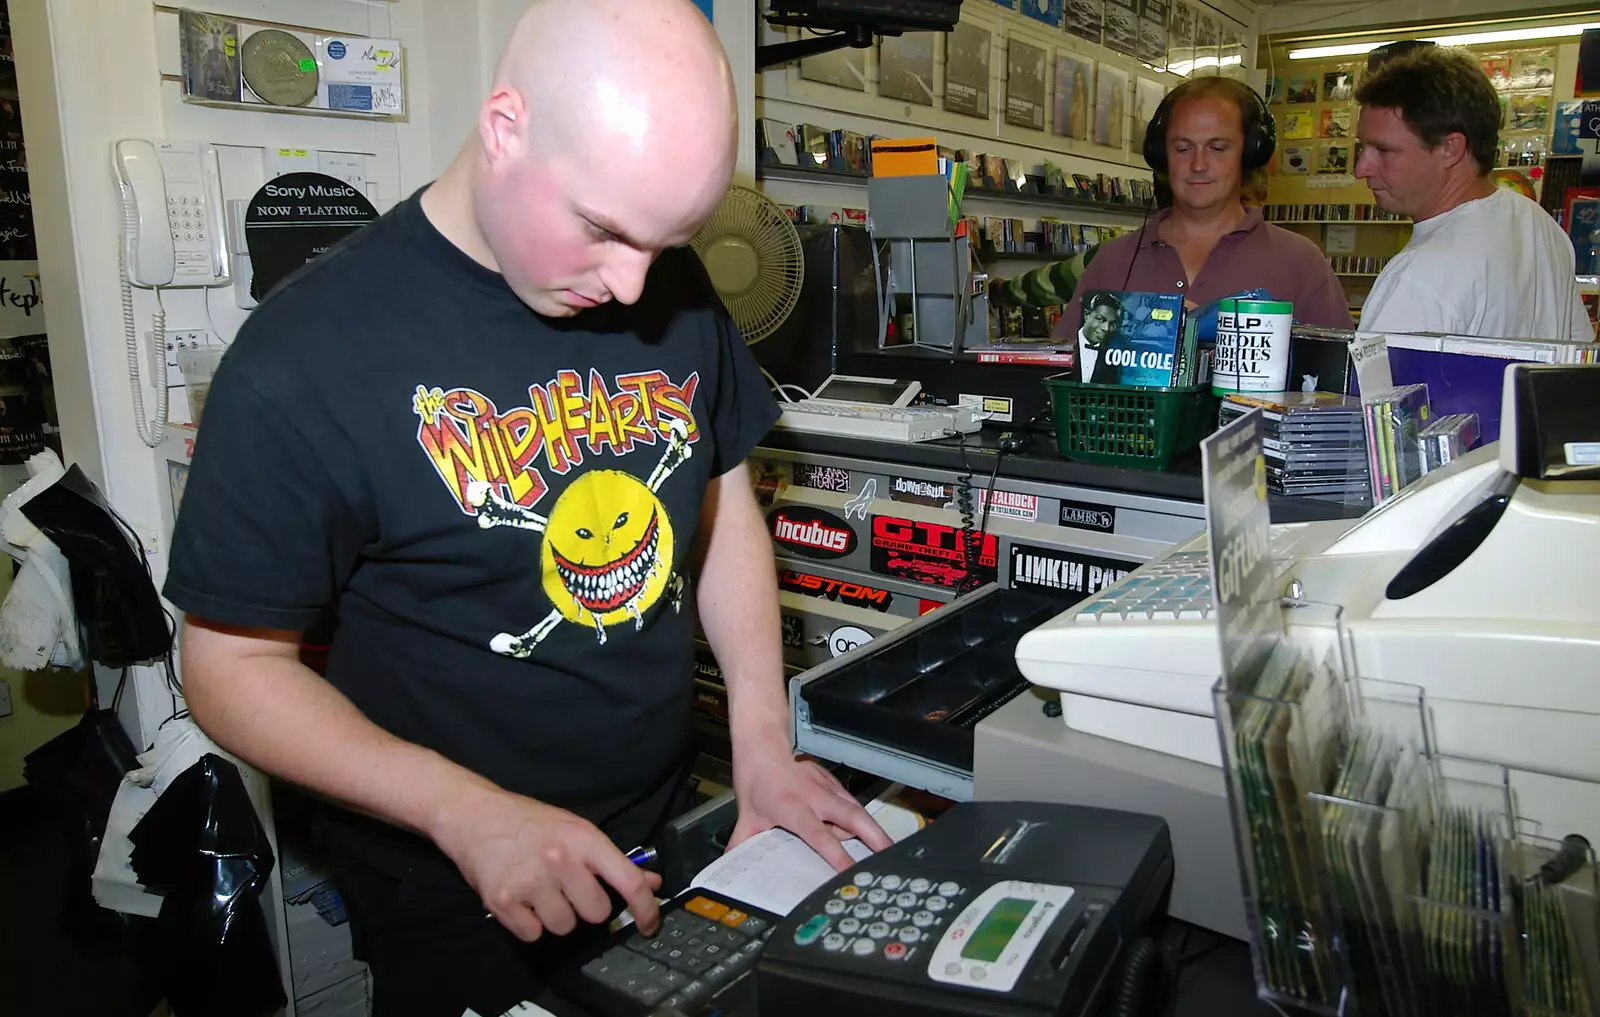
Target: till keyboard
{"type": "Point", "coordinates": [885, 423]}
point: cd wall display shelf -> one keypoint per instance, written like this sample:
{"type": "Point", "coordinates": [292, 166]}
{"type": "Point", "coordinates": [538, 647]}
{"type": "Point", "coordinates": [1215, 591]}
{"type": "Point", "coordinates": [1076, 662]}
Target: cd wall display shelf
{"type": "Point", "coordinates": [1079, 78]}
{"type": "Point", "coordinates": [237, 64]}
{"type": "Point", "coordinates": [1037, 192]}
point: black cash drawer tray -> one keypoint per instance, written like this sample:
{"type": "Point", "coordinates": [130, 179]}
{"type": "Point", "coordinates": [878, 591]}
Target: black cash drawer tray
{"type": "Point", "coordinates": [924, 693]}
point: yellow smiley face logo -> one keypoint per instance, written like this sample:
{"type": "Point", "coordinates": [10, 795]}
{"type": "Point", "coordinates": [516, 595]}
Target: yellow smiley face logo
{"type": "Point", "coordinates": [607, 552]}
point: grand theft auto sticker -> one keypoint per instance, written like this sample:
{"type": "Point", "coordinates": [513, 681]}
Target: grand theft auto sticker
{"type": "Point", "coordinates": [813, 532]}
{"type": "Point", "coordinates": [931, 553]}
{"type": "Point", "coordinates": [1056, 570]}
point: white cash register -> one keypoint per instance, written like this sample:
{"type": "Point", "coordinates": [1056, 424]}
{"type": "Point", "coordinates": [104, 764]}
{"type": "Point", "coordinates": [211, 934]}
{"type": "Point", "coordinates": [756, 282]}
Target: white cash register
{"type": "Point", "coordinates": [1480, 584]}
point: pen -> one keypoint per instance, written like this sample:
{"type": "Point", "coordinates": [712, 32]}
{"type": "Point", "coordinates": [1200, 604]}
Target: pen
{"type": "Point", "coordinates": [641, 856]}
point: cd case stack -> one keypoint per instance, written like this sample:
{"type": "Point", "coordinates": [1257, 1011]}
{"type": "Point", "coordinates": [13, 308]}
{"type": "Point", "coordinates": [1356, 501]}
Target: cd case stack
{"type": "Point", "coordinates": [1448, 438]}
{"type": "Point", "coordinates": [1314, 442]}
{"type": "Point", "coordinates": [230, 62]}
{"type": "Point", "coordinates": [1395, 420]}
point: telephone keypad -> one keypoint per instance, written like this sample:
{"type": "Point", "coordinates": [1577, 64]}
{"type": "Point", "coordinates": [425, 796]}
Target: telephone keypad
{"type": "Point", "coordinates": [888, 916]}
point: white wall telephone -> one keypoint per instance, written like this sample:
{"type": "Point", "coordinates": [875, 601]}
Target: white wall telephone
{"type": "Point", "coordinates": [172, 236]}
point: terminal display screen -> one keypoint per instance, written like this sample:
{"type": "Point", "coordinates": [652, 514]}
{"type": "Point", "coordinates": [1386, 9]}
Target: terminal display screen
{"type": "Point", "coordinates": [989, 939]}
{"type": "Point", "coordinates": [848, 390]}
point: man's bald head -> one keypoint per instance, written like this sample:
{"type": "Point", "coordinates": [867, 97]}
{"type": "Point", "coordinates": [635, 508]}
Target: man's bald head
{"type": "Point", "coordinates": [609, 135]}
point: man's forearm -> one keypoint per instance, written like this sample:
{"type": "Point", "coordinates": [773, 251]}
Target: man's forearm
{"type": "Point", "coordinates": [738, 602]}
{"type": "Point", "coordinates": [278, 715]}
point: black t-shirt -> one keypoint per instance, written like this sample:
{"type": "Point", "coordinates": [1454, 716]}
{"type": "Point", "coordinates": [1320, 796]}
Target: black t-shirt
{"type": "Point", "coordinates": [500, 507]}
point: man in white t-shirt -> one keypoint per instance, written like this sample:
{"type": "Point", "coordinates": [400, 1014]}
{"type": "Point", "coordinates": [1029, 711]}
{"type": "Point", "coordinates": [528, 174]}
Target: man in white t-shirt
{"type": "Point", "coordinates": [1482, 260]}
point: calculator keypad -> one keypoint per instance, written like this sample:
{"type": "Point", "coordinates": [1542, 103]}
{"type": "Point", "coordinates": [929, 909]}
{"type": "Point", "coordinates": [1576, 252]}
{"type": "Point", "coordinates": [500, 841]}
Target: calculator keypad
{"type": "Point", "coordinates": [699, 949]}
{"type": "Point", "coordinates": [885, 916]}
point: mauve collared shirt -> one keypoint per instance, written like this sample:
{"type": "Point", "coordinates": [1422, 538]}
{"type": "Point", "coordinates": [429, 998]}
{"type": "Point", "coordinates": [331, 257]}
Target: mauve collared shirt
{"type": "Point", "coordinates": [1255, 255]}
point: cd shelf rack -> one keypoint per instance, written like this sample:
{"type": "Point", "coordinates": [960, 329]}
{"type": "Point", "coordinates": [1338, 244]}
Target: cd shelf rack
{"type": "Point", "coordinates": [1384, 877]}
{"type": "Point", "coordinates": [229, 62]}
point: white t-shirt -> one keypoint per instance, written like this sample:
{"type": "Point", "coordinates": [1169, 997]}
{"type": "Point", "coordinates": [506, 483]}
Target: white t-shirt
{"type": "Point", "coordinates": [1498, 267]}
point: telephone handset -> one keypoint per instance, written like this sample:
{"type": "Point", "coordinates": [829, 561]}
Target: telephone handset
{"type": "Point", "coordinates": [172, 236]}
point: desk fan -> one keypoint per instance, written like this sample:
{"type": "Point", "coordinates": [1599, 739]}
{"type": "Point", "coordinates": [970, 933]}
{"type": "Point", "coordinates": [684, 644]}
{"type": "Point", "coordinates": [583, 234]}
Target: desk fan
{"type": "Point", "coordinates": [752, 253]}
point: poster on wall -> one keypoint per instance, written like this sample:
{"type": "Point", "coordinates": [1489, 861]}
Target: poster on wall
{"type": "Point", "coordinates": [1154, 16]}
{"type": "Point", "coordinates": [21, 300]}
{"type": "Point", "coordinates": [1122, 26]}
{"type": "Point", "coordinates": [1302, 89]}
{"type": "Point", "coordinates": [1026, 69]}
{"type": "Point", "coordinates": [1074, 96]}
{"type": "Point", "coordinates": [1047, 11]}
{"type": "Point", "coordinates": [1206, 35]}
{"type": "Point", "coordinates": [1296, 159]}
{"type": "Point", "coordinates": [1533, 68]}
{"type": "Point", "coordinates": [1111, 106]}
{"type": "Point", "coordinates": [1084, 18]}
{"type": "Point", "coordinates": [16, 199]}
{"type": "Point", "coordinates": [842, 68]}
{"type": "Point", "coordinates": [905, 67]}
{"type": "Point", "coordinates": [1153, 43]}
{"type": "Point", "coordinates": [1147, 95]}
{"type": "Point", "coordinates": [966, 86]}
{"type": "Point", "coordinates": [1180, 34]}
{"type": "Point", "coordinates": [24, 379]}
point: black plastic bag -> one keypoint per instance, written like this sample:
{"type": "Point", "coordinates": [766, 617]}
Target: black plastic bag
{"type": "Point", "coordinates": [202, 846]}
{"type": "Point", "coordinates": [119, 610]}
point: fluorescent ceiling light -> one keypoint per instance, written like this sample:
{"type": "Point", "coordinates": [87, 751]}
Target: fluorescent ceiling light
{"type": "Point", "coordinates": [1514, 34]}
{"type": "Point", "coordinates": [1349, 49]}
{"type": "Point", "coordinates": [1184, 67]}
{"type": "Point", "coordinates": [1464, 39]}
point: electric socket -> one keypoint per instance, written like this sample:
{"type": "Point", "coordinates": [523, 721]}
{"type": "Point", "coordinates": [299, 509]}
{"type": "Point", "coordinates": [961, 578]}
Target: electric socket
{"type": "Point", "coordinates": [5, 699]}
{"type": "Point", "coordinates": [187, 340]}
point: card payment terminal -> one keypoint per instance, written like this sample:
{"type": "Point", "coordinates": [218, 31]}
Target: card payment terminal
{"type": "Point", "coordinates": [995, 908]}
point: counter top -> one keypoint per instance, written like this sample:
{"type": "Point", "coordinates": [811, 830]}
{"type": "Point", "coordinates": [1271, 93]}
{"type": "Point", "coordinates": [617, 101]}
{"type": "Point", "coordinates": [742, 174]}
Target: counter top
{"type": "Point", "coordinates": [1042, 464]}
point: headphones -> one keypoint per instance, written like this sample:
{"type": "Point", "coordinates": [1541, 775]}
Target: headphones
{"type": "Point", "coordinates": [1260, 132]}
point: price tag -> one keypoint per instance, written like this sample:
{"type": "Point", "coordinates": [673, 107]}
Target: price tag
{"type": "Point", "coordinates": [1371, 356]}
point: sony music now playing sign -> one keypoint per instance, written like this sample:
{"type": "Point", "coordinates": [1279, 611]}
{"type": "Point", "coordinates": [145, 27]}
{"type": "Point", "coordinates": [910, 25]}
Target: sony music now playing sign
{"type": "Point", "coordinates": [296, 217]}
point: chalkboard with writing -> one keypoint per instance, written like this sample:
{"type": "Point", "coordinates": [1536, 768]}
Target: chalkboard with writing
{"type": "Point", "coordinates": [16, 202]}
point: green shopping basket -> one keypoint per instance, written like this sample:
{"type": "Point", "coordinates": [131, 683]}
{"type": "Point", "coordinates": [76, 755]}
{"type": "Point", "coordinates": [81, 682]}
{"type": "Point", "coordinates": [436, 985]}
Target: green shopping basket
{"type": "Point", "coordinates": [1125, 425]}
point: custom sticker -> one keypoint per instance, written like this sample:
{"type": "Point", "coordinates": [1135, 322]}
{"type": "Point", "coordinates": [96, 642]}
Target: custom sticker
{"type": "Point", "coordinates": [813, 532]}
{"type": "Point", "coordinates": [1062, 571]}
{"type": "Point", "coordinates": [822, 478]}
{"type": "Point", "coordinates": [1082, 515]}
{"type": "Point", "coordinates": [854, 594]}
{"type": "Point", "coordinates": [931, 553]}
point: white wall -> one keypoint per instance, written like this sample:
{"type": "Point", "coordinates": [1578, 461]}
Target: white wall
{"type": "Point", "coordinates": [93, 71]}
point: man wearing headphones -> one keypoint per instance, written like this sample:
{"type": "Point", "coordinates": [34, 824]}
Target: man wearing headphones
{"type": "Point", "coordinates": [1208, 139]}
